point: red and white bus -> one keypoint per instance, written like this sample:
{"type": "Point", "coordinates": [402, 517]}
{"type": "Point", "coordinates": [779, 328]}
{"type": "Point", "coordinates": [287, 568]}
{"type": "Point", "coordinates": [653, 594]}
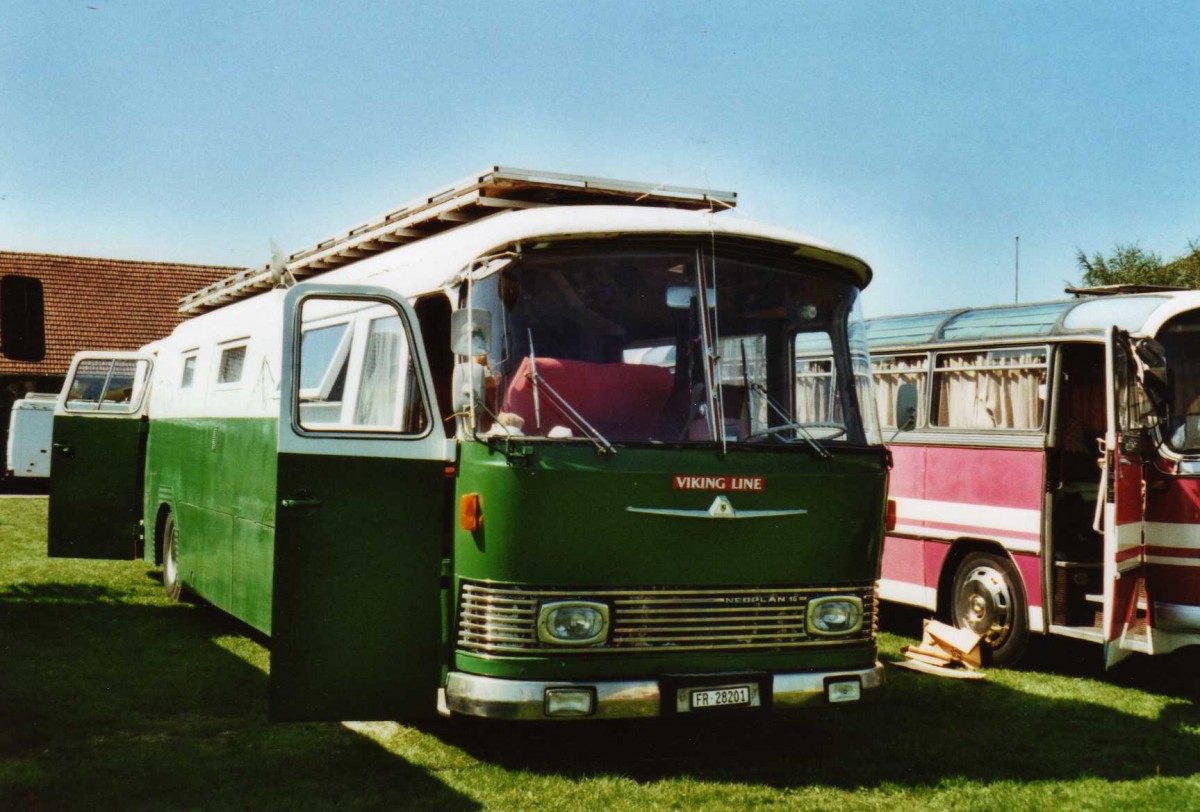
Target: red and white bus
{"type": "Point", "coordinates": [1050, 480]}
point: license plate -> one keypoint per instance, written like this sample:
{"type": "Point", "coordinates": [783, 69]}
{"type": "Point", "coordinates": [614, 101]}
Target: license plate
{"type": "Point", "coordinates": [721, 696]}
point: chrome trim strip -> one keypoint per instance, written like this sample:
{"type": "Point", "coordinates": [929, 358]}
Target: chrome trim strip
{"type": "Point", "coordinates": [1175, 617]}
{"type": "Point", "coordinates": [487, 588]}
{"type": "Point", "coordinates": [666, 647]}
{"type": "Point", "coordinates": [721, 508]}
{"type": "Point", "coordinates": [997, 438]}
{"type": "Point", "coordinates": [494, 698]}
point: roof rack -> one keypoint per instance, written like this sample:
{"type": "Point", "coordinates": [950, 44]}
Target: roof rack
{"type": "Point", "coordinates": [472, 198]}
{"type": "Point", "coordinates": [1122, 289]}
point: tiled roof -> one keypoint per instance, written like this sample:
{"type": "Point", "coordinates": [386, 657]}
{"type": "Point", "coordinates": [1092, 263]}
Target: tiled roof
{"type": "Point", "coordinates": [103, 304]}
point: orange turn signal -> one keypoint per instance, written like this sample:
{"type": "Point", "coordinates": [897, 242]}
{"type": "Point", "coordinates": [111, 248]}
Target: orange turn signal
{"type": "Point", "coordinates": [889, 518]}
{"type": "Point", "coordinates": [470, 512]}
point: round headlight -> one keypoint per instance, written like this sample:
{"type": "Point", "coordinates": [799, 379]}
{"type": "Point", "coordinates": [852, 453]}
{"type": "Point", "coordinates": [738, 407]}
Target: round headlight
{"type": "Point", "coordinates": [572, 622]}
{"type": "Point", "coordinates": [835, 615]}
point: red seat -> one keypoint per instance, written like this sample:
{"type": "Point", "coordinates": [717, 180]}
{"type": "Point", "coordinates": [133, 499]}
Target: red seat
{"type": "Point", "coordinates": [622, 401]}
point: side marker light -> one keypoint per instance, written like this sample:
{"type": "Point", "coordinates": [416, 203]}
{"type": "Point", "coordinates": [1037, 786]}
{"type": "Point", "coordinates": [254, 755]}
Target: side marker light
{"type": "Point", "coordinates": [470, 512]}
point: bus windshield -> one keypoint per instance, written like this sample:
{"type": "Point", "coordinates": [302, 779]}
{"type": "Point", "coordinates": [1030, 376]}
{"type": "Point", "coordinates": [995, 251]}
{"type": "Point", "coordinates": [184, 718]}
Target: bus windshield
{"type": "Point", "coordinates": [673, 346]}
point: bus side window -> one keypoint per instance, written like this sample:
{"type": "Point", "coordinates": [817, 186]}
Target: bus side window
{"type": "Point", "coordinates": [990, 389]}
{"type": "Point", "coordinates": [107, 385]}
{"type": "Point", "coordinates": [893, 371]}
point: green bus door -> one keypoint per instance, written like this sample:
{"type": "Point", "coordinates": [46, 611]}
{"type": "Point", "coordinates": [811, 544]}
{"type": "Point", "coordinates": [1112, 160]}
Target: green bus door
{"type": "Point", "coordinates": [360, 516]}
{"type": "Point", "coordinates": [98, 457]}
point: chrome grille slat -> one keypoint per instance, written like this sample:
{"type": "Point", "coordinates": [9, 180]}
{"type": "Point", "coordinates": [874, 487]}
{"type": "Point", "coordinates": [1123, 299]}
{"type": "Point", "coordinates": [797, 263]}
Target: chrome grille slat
{"type": "Point", "coordinates": [502, 619]}
{"type": "Point", "coordinates": [647, 621]}
{"type": "Point", "coordinates": [704, 610]}
{"type": "Point", "coordinates": [774, 631]}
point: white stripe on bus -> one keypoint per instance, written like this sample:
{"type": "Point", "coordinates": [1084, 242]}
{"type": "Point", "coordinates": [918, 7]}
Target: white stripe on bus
{"type": "Point", "coordinates": [1172, 534]}
{"type": "Point", "coordinates": [1014, 520]}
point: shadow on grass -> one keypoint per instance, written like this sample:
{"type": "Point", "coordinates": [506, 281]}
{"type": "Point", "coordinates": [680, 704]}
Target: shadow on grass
{"type": "Point", "coordinates": [926, 731]}
{"type": "Point", "coordinates": [113, 705]}
{"type": "Point", "coordinates": [109, 704]}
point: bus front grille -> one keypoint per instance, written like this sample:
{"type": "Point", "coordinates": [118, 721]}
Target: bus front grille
{"type": "Point", "coordinates": [502, 619]}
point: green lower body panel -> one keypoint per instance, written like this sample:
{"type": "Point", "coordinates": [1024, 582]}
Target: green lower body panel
{"type": "Point", "coordinates": [217, 477]}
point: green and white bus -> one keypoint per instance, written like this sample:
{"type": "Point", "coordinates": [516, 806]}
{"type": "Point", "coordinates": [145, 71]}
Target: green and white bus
{"type": "Point", "coordinates": [536, 447]}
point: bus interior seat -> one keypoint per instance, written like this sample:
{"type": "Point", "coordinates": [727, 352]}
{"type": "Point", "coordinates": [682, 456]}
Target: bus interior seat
{"type": "Point", "coordinates": [620, 400]}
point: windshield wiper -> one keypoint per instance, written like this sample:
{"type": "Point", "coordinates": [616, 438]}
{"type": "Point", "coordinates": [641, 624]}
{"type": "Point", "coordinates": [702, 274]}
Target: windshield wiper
{"type": "Point", "coordinates": [539, 383]}
{"type": "Point", "coordinates": [787, 425]}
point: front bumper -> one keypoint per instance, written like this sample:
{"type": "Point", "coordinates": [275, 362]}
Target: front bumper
{"type": "Point", "coordinates": [475, 695]}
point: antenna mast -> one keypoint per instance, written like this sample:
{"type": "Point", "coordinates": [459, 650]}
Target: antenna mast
{"type": "Point", "coordinates": [1017, 272]}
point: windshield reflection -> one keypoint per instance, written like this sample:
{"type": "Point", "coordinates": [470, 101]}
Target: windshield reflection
{"type": "Point", "coordinates": [667, 346]}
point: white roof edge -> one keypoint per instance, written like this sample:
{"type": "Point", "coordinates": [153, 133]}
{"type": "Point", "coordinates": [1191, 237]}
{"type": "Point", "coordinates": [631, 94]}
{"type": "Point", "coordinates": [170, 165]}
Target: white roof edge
{"type": "Point", "coordinates": [454, 249]}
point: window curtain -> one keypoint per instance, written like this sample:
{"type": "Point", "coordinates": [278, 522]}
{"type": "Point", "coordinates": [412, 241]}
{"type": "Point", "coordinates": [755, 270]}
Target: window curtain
{"type": "Point", "coordinates": [814, 391]}
{"type": "Point", "coordinates": [1001, 392]}
{"type": "Point", "coordinates": [377, 391]}
{"type": "Point", "coordinates": [890, 375]}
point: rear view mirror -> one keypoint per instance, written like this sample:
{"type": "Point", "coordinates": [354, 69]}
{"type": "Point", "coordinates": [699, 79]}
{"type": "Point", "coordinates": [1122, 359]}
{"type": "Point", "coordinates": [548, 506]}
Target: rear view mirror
{"type": "Point", "coordinates": [1155, 378]}
{"type": "Point", "coordinates": [471, 332]}
{"type": "Point", "coordinates": [906, 407]}
{"type": "Point", "coordinates": [679, 297]}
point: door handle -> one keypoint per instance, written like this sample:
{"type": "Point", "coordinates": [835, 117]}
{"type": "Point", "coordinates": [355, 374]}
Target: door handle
{"type": "Point", "coordinates": [300, 503]}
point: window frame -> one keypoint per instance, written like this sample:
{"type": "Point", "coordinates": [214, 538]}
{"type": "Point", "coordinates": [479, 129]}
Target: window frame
{"type": "Point", "coordinates": [924, 390]}
{"type": "Point", "coordinates": [192, 356]}
{"type": "Point", "coordinates": [115, 408]}
{"type": "Point", "coordinates": [223, 348]}
{"type": "Point", "coordinates": [933, 403]}
{"type": "Point", "coordinates": [359, 321]}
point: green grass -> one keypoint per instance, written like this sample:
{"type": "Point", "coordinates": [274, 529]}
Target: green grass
{"type": "Point", "coordinates": [112, 697]}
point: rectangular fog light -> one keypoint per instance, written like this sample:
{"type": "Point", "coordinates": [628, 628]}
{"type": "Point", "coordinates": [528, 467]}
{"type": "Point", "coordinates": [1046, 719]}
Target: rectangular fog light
{"type": "Point", "coordinates": [846, 691]}
{"type": "Point", "coordinates": [570, 701]}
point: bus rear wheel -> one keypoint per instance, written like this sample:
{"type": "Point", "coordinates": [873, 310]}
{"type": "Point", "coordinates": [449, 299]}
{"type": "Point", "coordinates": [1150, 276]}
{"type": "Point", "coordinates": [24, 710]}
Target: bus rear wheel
{"type": "Point", "coordinates": [987, 599]}
{"type": "Point", "coordinates": [171, 581]}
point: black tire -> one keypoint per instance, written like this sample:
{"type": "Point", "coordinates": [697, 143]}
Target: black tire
{"type": "Point", "coordinates": [988, 598]}
{"type": "Point", "coordinates": [172, 583]}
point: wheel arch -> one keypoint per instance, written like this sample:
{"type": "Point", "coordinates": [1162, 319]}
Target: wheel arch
{"type": "Point", "coordinates": [959, 550]}
{"type": "Point", "coordinates": [160, 526]}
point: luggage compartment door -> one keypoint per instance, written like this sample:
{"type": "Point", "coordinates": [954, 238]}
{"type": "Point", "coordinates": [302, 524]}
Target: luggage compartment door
{"type": "Point", "coordinates": [98, 453]}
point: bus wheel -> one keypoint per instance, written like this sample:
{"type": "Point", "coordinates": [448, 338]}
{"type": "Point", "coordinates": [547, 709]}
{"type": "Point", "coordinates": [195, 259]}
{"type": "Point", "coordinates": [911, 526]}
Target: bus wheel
{"type": "Point", "coordinates": [987, 599]}
{"type": "Point", "coordinates": [171, 582]}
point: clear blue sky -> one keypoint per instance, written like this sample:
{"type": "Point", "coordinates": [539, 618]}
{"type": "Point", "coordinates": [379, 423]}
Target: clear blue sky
{"type": "Point", "coordinates": [923, 136]}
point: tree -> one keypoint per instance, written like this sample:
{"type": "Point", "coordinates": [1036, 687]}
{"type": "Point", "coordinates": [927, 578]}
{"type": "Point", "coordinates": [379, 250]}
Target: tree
{"type": "Point", "coordinates": [1132, 265]}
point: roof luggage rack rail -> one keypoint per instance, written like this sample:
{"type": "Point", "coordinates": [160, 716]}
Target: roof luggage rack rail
{"type": "Point", "coordinates": [497, 189]}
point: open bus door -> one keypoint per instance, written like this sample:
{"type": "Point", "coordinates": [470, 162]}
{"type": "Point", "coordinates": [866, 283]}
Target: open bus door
{"type": "Point", "coordinates": [361, 512]}
{"type": "Point", "coordinates": [1124, 493]}
{"type": "Point", "coordinates": [98, 457]}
